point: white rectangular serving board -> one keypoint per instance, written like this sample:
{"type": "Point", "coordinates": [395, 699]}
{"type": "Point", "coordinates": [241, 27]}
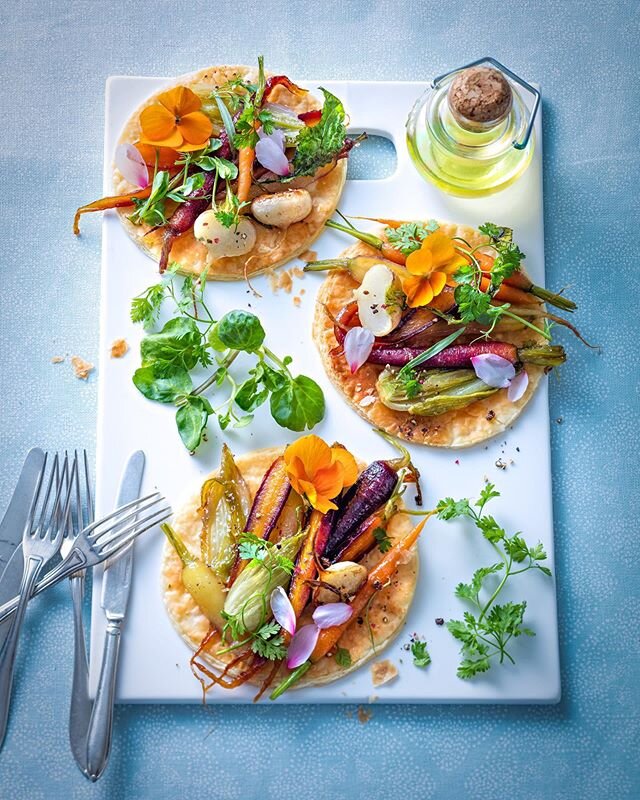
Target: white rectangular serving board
{"type": "Point", "coordinates": [154, 661]}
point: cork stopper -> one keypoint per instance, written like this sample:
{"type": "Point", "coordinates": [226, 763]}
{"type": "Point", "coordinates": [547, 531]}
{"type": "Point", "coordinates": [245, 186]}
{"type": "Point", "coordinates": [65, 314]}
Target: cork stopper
{"type": "Point", "coordinates": [480, 98]}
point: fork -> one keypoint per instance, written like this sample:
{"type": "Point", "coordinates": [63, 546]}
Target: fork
{"type": "Point", "coordinates": [82, 512]}
{"type": "Point", "coordinates": [100, 540]}
{"type": "Point", "coordinates": [40, 542]}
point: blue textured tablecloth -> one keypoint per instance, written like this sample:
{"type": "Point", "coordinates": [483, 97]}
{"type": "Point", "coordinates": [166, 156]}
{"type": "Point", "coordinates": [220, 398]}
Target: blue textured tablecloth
{"type": "Point", "coordinates": [55, 57]}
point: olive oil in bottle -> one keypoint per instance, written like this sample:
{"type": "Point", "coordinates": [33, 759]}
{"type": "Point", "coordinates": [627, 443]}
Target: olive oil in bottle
{"type": "Point", "coordinates": [471, 133]}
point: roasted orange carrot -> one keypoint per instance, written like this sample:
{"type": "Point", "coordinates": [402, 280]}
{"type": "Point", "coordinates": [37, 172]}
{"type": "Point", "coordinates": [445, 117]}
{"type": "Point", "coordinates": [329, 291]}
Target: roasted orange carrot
{"type": "Point", "coordinates": [105, 203]}
{"type": "Point", "coordinates": [364, 541]}
{"type": "Point", "coordinates": [509, 294]}
{"type": "Point", "coordinates": [377, 579]}
{"type": "Point", "coordinates": [246, 156]}
{"type": "Point", "coordinates": [306, 568]}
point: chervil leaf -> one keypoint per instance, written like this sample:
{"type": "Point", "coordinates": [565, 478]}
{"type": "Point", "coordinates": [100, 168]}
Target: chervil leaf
{"type": "Point", "coordinates": [409, 236]}
{"type": "Point", "coordinates": [421, 657]}
{"type": "Point", "coordinates": [485, 636]}
{"type": "Point", "coordinates": [343, 657]}
{"type": "Point", "coordinates": [382, 540]}
{"type": "Point", "coordinates": [451, 509]}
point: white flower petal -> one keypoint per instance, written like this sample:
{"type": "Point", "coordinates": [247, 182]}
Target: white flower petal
{"type": "Point", "coordinates": [518, 386]}
{"type": "Point", "coordinates": [302, 645]}
{"type": "Point", "coordinates": [331, 614]}
{"type": "Point", "coordinates": [282, 609]}
{"type": "Point", "coordinates": [270, 152]}
{"type": "Point", "coordinates": [131, 165]}
{"type": "Point", "coordinates": [358, 344]}
{"type": "Point", "coordinates": [493, 370]}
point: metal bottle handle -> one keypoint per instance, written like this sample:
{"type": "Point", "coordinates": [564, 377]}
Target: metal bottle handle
{"type": "Point", "coordinates": [435, 83]}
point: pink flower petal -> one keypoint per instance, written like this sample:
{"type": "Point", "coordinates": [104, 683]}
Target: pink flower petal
{"type": "Point", "coordinates": [282, 609]}
{"type": "Point", "coordinates": [332, 614]}
{"type": "Point", "coordinates": [493, 370]}
{"type": "Point", "coordinates": [518, 386]}
{"type": "Point", "coordinates": [302, 645]}
{"type": "Point", "coordinates": [270, 152]}
{"type": "Point", "coordinates": [131, 165]}
{"type": "Point", "coordinates": [358, 344]}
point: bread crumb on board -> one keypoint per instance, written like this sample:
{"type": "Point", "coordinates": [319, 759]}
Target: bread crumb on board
{"type": "Point", "coordinates": [81, 367]}
{"type": "Point", "coordinates": [382, 672]}
{"type": "Point", "coordinates": [363, 715]}
{"type": "Point", "coordinates": [119, 348]}
{"type": "Point", "coordinates": [57, 359]}
{"type": "Point", "coordinates": [308, 255]}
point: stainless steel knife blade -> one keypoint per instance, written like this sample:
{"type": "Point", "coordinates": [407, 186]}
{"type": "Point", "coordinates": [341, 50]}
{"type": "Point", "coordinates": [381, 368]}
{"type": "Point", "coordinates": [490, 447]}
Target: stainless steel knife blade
{"type": "Point", "coordinates": [12, 528]}
{"type": "Point", "coordinates": [116, 580]}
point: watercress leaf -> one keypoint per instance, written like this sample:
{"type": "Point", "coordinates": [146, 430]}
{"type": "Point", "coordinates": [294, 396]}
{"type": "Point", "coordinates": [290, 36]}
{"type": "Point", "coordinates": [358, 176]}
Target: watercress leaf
{"type": "Point", "coordinates": [178, 344]}
{"type": "Point", "coordinates": [250, 395]}
{"type": "Point", "coordinates": [298, 404]}
{"type": "Point", "coordinates": [162, 388]}
{"type": "Point", "coordinates": [240, 330]}
{"type": "Point", "coordinates": [191, 419]}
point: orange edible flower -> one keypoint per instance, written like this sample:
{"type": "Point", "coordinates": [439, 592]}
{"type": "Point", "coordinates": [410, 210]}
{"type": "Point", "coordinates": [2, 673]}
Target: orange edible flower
{"type": "Point", "coordinates": [176, 121]}
{"type": "Point", "coordinates": [431, 268]}
{"type": "Point", "coordinates": [319, 472]}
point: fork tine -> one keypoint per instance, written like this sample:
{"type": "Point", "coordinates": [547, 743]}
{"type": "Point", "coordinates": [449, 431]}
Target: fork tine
{"type": "Point", "coordinates": [72, 482]}
{"type": "Point", "coordinates": [36, 494]}
{"type": "Point", "coordinates": [87, 486]}
{"type": "Point", "coordinates": [91, 531]}
{"type": "Point", "coordinates": [42, 515]}
{"type": "Point", "coordinates": [130, 533]}
{"type": "Point", "coordinates": [115, 530]}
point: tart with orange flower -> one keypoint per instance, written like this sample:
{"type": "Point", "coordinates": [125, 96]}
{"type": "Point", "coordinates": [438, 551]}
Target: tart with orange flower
{"type": "Point", "coordinates": [229, 172]}
{"type": "Point", "coordinates": [433, 331]}
{"type": "Point", "coordinates": [291, 566]}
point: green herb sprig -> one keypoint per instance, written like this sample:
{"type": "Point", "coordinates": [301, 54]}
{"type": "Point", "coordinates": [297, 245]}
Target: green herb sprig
{"type": "Point", "coordinates": [485, 633]}
{"type": "Point", "coordinates": [421, 657]}
{"type": "Point", "coordinates": [408, 237]}
{"type": "Point", "coordinates": [194, 339]}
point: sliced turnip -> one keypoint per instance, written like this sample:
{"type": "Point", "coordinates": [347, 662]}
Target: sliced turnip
{"type": "Point", "coordinates": [380, 300]}
{"type": "Point", "coordinates": [222, 242]}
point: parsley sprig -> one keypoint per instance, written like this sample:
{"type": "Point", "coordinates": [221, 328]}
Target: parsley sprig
{"type": "Point", "coordinates": [485, 633]}
{"type": "Point", "coordinates": [193, 339]}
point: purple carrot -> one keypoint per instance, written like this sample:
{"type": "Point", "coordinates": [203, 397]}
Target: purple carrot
{"type": "Point", "coordinates": [185, 215]}
{"type": "Point", "coordinates": [457, 356]}
{"type": "Point", "coordinates": [368, 494]}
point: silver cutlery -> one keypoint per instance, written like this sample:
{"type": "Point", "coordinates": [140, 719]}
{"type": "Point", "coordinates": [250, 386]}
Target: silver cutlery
{"type": "Point", "coordinates": [100, 540]}
{"type": "Point", "coordinates": [40, 542]}
{"type": "Point", "coordinates": [81, 516]}
{"type": "Point", "coordinates": [12, 527]}
{"type": "Point", "coordinates": [116, 583]}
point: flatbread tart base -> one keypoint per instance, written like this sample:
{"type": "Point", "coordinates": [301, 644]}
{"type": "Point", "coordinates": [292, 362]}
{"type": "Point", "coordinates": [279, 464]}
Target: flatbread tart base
{"type": "Point", "coordinates": [460, 428]}
{"type": "Point", "coordinates": [387, 610]}
{"type": "Point", "coordinates": [273, 247]}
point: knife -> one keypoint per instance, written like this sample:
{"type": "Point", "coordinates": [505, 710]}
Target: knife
{"type": "Point", "coordinates": [12, 528]}
{"type": "Point", "coordinates": [116, 583]}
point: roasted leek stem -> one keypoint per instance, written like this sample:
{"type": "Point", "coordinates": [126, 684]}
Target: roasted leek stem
{"type": "Point", "coordinates": [291, 678]}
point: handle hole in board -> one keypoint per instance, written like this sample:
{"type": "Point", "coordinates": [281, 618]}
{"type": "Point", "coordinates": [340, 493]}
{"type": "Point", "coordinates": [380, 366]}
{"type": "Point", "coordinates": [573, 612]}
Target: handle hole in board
{"type": "Point", "coordinates": [374, 159]}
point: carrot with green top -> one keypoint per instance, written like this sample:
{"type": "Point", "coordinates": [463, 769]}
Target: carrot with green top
{"type": "Point", "coordinates": [105, 203]}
